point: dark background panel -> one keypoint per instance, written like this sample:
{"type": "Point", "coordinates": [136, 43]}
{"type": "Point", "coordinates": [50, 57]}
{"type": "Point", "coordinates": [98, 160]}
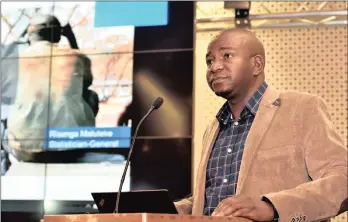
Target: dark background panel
{"type": "Point", "coordinates": [34, 210]}
{"type": "Point", "coordinates": [21, 216]}
{"type": "Point", "coordinates": [178, 34]}
{"type": "Point", "coordinates": [162, 164]}
{"type": "Point", "coordinates": [168, 75]}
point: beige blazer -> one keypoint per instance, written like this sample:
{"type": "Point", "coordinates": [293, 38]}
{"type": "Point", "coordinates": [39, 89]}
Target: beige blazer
{"type": "Point", "coordinates": [292, 155]}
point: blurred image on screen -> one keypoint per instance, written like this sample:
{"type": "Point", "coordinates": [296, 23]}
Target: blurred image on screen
{"type": "Point", "coordinates": [66, 81]}
{"type": "Point", "coordinates": [65, 84]}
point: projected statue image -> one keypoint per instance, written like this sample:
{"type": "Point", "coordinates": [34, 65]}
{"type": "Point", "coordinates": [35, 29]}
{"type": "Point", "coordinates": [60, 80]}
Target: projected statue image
{"type": "Point", "coordinates": [62, 72]}
{"type": "Point", "coordinates": [52, 90]}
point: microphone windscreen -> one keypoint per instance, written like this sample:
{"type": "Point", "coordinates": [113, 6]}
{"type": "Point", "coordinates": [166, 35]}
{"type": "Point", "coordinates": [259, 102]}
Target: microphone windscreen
{"type": "Point", "coordinates": [157, 103]}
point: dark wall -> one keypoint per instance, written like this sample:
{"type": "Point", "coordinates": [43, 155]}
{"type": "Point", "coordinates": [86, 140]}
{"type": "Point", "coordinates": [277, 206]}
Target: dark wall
{"type": "Point", "coordinates": [163, 66]}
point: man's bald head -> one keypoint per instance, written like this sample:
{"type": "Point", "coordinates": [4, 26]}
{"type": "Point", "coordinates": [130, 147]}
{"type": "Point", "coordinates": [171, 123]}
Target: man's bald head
{"type": "Point", "coordinates": [247, 39]}
{"type": "Point", "coordinates": [236, 61]}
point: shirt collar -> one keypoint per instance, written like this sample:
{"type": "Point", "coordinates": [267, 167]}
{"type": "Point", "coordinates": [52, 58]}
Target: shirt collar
{"type": "Point", "coordinates": [252, 105]}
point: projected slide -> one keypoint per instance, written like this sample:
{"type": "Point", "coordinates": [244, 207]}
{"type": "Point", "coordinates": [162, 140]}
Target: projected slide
{"type": "Point", "coordinates": [66, 83]}
{"type": "Point", "coordinates": [62, 76]}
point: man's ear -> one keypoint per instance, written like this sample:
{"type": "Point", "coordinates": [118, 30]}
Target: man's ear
{"type": "Point", "coordinates": [258, 64]}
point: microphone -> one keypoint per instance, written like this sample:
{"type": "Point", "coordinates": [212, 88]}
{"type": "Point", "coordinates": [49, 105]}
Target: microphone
{"type": "Point", "coordinates": [155, 105]}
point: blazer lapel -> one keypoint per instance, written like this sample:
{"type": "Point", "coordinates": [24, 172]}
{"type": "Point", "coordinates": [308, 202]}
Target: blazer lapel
{"type": "Point", "coordinates": [267, 109]}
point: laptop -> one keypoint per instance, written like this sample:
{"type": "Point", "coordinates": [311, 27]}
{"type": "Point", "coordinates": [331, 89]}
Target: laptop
{"type": "Point", "coordinates": [141, 201]}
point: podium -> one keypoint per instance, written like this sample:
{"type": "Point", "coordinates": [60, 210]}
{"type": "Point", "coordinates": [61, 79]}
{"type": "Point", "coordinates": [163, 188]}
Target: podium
{"type": "Point", "coordinates": [138, 217]}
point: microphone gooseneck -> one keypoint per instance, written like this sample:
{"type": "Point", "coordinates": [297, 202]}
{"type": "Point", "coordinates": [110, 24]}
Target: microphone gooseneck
{"type": "Point", "coordinates": [155, 105]}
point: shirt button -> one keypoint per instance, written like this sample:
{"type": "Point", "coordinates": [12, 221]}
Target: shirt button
{"type": "Point", "coordinates": [236, 123]}
{"type": "Point", "coordinates": [225, 180]}
{"type": "Point", "coordinates": [229, 150]}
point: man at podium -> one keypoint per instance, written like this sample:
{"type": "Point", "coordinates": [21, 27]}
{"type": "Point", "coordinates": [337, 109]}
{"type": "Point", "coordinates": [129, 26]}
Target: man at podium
{"type": "Point", "coordinates": [267, 155]}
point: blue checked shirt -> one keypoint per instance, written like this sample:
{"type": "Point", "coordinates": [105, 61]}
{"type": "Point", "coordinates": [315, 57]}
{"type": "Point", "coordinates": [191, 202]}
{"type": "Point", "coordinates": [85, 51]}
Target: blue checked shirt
{"type": "Point", "coordinates": [225, 158]}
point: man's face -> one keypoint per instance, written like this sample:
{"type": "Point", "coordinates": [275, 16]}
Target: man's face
{"type": "Point", "coordinates": [229, 65]}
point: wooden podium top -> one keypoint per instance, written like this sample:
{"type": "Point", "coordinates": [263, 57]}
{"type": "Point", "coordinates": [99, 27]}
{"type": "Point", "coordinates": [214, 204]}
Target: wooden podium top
{"type": "Point", "coordinates": [137, 217]}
